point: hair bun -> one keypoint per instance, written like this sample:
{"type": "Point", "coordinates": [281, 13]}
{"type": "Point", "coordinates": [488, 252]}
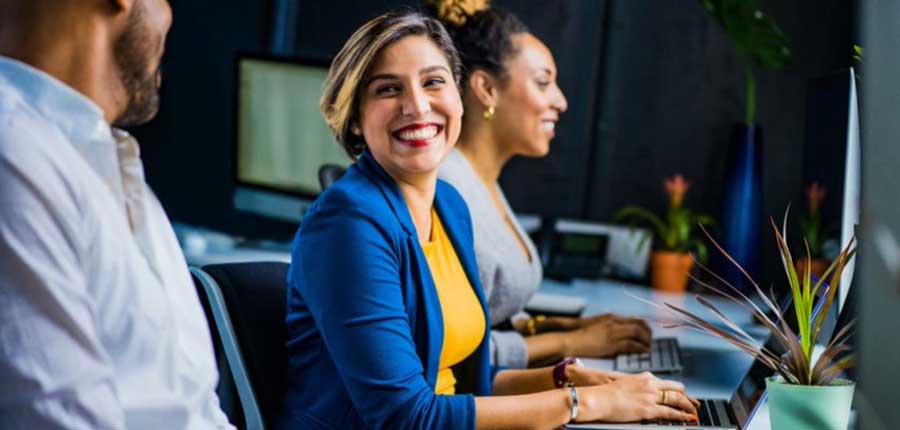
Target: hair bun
{"type": "Point", "coordinates": [456, 12]}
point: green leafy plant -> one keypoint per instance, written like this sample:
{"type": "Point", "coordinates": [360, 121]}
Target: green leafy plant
{"type": "Point", "coordinates": [757, 39]}
{"type": "Point", "coordinates": [675, 232]}
{"type": "Point", "coordinates": [796, 366]}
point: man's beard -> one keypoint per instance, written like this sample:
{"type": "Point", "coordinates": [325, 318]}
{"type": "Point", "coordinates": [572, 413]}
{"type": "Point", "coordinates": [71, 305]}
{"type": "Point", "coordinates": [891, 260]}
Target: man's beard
{"type": "Point", "coordinates": [133, 53]}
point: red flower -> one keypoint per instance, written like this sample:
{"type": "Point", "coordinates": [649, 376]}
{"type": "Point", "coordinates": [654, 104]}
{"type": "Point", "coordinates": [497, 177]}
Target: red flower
{"type": "Point", "coordinates": [676, 187]}
{"type": "Point", "coordinates": [815, 194]}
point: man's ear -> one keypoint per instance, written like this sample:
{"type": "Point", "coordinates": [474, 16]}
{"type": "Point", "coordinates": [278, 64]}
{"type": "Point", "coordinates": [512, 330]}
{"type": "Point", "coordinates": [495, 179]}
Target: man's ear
{"type": "Point", "coordinates": [484, 87]}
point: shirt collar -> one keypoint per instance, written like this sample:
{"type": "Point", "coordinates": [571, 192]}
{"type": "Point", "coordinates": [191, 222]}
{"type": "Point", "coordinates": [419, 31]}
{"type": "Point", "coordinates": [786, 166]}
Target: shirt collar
{"type": "Point", "coordinates": [367, 164]}
{"type": "Point", "coordinates": [77, 116]}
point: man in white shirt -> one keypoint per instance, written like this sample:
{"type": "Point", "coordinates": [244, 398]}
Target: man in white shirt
{"type": "Point", "coordinates": [100, 325]}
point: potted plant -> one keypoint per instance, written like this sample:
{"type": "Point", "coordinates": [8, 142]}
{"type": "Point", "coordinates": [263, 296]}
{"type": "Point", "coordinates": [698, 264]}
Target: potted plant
{"type": "Point", "coordinates": [813, 231]}
{"type": "Point", "coordinates": [671, 262]}
{"type": "Point", "coordinates": [806, 392]}
{"type": "Point", "coordinates": [760, 44]}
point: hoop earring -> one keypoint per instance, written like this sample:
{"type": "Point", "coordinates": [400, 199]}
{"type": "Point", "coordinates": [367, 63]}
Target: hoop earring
{"type": "Point", "coordinates": [489, 113]}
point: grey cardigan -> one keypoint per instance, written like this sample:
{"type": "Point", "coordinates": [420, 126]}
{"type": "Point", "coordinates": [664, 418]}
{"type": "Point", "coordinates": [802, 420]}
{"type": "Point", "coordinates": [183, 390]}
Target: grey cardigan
{"type": "Point", "coordinates": [508, 277]}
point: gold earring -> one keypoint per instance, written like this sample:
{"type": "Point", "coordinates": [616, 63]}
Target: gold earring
{"type": "Point", "coordinates": [489, 113]}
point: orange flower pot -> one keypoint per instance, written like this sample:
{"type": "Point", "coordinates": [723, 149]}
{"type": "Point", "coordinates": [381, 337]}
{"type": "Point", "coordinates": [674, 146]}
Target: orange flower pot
{"type": "Point", "coordinates": [670, 270]}
{"type": "Point", "coordinates": [818, 267]}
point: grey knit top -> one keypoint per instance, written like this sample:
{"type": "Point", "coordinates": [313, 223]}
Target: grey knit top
{"type": "Point", "coordinates": [508, 277]}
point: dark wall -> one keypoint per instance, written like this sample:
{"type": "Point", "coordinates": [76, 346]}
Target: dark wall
{"type": "Point", "coordinates": [653, 88]}
{"type": "Point", "coordinates": [673, 89]}
{"type": "Point", "coordinates": [574, 31]}
{"type": "Point", "coordinates": [670, 90]}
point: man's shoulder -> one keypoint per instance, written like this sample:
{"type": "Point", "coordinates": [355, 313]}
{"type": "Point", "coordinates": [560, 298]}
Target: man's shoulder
{"type": "Point", "coordinates": [35, 158]}
{"type": "Point", "coordinates": [23, 132]}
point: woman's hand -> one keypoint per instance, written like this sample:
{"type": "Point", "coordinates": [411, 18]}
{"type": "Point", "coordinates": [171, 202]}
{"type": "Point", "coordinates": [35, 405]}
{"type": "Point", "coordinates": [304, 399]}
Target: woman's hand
{"type": "Point", "coordinates": [587, 321]}
{"type": "Point", "coordinates": [633, 398]}
{"type": "Point", "coordinates": [553, 324]}
{"type": "Point", "coordinates": [608, 337]}
{"type": "Point", "coordinates": [585, 377]}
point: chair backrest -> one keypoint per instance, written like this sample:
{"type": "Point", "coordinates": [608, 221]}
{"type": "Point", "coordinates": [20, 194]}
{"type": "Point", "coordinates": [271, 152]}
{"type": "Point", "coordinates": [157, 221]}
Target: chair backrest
{"type": "Point", "coordinates": [253, 298]}
{"type": "Point", "coordinates": [227, 390]}
{"type": "Point", "coordinates": [329, 174]}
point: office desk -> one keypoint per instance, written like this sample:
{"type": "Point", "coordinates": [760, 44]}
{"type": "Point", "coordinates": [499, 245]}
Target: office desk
{"type": "Point", "coordinates": [712, 367]}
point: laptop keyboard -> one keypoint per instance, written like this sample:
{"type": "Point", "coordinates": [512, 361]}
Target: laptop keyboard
{"type": "Point", "coordinates": [664, 357]}
{"type": "Point", "coordinates": [712, 413]}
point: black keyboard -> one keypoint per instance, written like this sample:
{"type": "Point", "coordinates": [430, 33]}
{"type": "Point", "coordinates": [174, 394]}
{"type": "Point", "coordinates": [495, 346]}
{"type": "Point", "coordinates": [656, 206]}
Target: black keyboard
{"type": "Point", "coordinates": [712, 413]}
{"type": "Point", "coordinates": [664, 357]}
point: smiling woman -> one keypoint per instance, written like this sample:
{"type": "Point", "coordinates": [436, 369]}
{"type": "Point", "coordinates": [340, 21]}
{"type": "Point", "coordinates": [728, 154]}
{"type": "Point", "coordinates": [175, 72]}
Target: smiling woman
{"type": "Point", "coordinates": [410, 110]}
{"type": "Point", "coordinates": [387, 323]}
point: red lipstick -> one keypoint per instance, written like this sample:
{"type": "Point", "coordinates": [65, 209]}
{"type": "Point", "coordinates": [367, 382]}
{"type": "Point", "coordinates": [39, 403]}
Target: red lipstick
{"type": "Point", "coordinates": [417, 135]}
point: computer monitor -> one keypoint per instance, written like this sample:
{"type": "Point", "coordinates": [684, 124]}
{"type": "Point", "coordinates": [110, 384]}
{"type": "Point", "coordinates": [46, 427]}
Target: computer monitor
{"type": "Point", "coordinates": [281, 138]}
{"type": "Point", "coordinates": [832, 159]}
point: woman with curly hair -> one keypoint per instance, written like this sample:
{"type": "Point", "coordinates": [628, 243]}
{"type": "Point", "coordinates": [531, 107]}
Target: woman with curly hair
{"type": "Point", "coordinates": [387, 324]}
{"type": "Point", "coordinates": [512, 104]}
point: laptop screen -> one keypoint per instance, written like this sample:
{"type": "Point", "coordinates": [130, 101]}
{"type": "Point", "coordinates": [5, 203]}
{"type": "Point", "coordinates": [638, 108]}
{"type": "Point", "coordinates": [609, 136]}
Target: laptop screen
{"type": "Point", "coordinates": [749, 392]}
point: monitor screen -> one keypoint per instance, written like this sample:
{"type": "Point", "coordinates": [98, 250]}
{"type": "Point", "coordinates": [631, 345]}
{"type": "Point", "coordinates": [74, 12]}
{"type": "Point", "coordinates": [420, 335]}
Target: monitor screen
{"type": "Point", "coordinates": [282, 138]}
{"type": "Point", "coordinates": [832, 160]}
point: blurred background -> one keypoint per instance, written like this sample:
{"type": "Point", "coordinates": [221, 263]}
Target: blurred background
{"type": "Point", "coordinates": [654, 89]}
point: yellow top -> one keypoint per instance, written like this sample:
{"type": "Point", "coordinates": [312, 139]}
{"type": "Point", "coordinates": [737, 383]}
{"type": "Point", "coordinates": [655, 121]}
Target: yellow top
{"type": "Point", "coordinates": [463, 317]}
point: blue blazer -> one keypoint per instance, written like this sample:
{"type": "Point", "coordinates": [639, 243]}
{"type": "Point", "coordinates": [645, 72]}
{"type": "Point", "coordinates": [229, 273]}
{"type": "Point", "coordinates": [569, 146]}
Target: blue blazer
{"type": "Point", "coordinates": [364, 322]}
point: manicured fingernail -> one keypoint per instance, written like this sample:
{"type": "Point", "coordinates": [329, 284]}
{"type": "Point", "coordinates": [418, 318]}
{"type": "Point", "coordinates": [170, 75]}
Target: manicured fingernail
{"type": "Point", "coordinates": [693, 417]}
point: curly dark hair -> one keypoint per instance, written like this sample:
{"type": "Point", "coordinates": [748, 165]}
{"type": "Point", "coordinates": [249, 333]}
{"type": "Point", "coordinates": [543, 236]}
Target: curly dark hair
{"type": "Point", "coordinates": [483, 39]}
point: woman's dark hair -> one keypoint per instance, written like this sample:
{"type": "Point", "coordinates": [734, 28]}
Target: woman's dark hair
{"type": "Point", "coordinates": [482, 35]}
{"type": "Point", "coordinates": [341, 96]}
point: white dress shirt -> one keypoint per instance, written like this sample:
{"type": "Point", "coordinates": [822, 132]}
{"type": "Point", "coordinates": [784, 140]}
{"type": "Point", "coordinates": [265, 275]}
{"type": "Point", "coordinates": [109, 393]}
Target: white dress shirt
{"type": "Point", "coordinates": [100, 325]}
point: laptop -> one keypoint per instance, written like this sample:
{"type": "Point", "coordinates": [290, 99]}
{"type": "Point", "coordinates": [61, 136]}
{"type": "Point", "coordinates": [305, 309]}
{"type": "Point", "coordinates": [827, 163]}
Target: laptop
{"type": "Point", "coordinates": [664, 357]}
{"type": "Point", "coordinates": [720, 414]}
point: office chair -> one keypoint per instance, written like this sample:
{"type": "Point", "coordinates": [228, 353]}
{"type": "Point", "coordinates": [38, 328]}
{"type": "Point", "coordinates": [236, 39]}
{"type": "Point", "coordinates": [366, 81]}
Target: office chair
{"type": "Point", "coordinates": [329, 174]}
{"type": "Point", "coordinates": [246, 305]}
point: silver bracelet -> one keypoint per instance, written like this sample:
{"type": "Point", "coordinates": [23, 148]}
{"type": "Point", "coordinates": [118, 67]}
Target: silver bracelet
{"type": "Point", "coordinates": [574, 394]}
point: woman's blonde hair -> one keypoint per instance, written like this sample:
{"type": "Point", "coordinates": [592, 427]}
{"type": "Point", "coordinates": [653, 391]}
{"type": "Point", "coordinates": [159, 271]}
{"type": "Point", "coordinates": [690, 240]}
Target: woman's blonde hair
{"type": "Point", "coordinates": [341, 96]}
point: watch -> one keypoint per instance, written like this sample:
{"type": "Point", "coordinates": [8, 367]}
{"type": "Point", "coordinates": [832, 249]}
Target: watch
{"type": "Point", "coordinates": [560, 379]}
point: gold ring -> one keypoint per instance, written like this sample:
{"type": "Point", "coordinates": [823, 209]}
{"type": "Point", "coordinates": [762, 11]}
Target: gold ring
{"type": "Point", "coordinates": [665, 397]}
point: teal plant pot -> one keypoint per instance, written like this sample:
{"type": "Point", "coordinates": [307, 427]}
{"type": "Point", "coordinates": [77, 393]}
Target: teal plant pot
{"type": "Point", "coordinates": [802, 407]}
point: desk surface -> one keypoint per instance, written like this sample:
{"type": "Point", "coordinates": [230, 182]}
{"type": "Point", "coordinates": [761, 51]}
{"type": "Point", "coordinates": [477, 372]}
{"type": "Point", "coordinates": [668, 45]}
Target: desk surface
{"type": "Point", "coordinates": [712, 367]}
